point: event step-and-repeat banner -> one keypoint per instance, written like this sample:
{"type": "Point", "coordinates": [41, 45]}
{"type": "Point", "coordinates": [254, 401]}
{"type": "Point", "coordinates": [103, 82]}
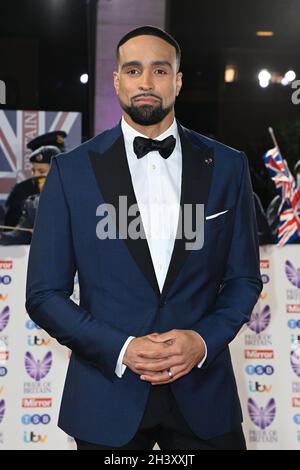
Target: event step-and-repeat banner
{"type": "Point", "coordinates": [17, 128]}
{"type": "Point", "coordinates": [32, 366]}
{"type": "Point", "coordinates": [266, 357]}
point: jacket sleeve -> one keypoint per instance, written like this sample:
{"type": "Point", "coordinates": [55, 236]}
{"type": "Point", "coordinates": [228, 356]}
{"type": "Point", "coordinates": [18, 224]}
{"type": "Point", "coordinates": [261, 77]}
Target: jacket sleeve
{"type": "Point", "coordinates": [50, 282]}
{"type": "Point", "coordinates": [241, 284]}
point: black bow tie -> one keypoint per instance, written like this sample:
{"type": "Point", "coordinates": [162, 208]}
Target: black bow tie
{"type": "Point", "coordinates": [142, 146]}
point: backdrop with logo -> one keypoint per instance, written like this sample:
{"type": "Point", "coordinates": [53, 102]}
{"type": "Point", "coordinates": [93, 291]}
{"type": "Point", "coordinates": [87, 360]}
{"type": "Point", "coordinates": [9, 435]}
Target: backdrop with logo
{"type": "Point", "coordinates": [266, 357]}
{"type": "Point", "coordinates": [17, 128]}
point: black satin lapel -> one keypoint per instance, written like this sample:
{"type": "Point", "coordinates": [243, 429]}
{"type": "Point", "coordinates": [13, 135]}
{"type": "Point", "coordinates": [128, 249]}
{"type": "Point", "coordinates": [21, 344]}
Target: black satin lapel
{"type": "Point", "coordinates": [113, 177]}
{"type": "Point", "coordinates": [197, 170]}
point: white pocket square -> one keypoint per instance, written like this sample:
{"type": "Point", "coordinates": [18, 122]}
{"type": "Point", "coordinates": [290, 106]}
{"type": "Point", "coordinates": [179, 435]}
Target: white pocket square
{"type": "Point", "coordinates": [213, 216]}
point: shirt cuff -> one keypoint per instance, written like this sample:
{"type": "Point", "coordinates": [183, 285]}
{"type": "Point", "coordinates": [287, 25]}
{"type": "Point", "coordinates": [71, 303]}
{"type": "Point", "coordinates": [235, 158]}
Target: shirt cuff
{"type": "Point", "coordinates": [120, 368]}
{"type": "Point", "coordinates": [205, 355]}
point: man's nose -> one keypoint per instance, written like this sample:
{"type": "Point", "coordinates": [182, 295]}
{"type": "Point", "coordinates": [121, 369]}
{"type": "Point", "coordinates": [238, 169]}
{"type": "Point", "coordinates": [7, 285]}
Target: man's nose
{"type": "Point", "coordinates": [146, 82]}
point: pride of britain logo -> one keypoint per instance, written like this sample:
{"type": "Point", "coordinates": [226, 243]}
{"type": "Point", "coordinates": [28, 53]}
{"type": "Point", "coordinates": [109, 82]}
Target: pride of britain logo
{"type": "Point", "coordinates": [261, 416]}
{"type": "Point", "coordinates": [295, 361]}
{"type": "Point", "coordinates": [293, 274]}
{"type": "Point", "coordinates": [259, 321]}
{"type": "Point", "coordinates": [2, 410]}
{"type": "Point", "coordinates": [4, 317]}
{"type": "Point", "coordinates": [38, 369]}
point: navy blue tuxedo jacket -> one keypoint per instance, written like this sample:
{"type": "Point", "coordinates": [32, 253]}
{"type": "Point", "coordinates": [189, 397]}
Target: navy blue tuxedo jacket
{"type": "Point", "coordinates": [212, 290]}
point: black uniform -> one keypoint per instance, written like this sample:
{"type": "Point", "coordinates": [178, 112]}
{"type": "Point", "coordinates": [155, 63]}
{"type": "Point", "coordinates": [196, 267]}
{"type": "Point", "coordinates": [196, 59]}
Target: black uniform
{"type": "Point", "coordinates": [16, 198]}
{"type": "Point", "coordinates": [19, 237]}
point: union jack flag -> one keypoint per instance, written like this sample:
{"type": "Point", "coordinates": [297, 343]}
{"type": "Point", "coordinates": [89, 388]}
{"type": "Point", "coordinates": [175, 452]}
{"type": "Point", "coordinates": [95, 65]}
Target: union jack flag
{"type": "Point", "coordinates": [289, 218]}
{"type": "Point", "coordinates": [17, 128]}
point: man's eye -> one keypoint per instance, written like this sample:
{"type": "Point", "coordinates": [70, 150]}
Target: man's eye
{"type": "Point", "coordinates": [160, 72]}
{"type": "Point", "coordinates": [133, 71]}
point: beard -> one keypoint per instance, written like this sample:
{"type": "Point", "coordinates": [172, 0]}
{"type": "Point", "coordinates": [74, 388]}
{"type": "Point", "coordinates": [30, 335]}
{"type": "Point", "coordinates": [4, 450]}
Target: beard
{"type": "Point", "coordinates": [146, 115]}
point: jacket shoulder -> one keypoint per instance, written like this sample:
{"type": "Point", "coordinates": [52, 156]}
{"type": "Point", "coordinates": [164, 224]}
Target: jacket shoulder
{"type": "Point", "coordinates": [218, 147]}
{"type": "Point", "coordinates": [99, 144]}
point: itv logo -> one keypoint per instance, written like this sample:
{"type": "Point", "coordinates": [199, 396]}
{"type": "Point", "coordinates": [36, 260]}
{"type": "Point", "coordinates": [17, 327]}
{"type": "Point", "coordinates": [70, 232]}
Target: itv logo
{"type": "Point", "coordinates": [36, 341]}
{"type": "Point", "coordinates": [257, 387]}
{"type": "Point", "coordinates": [31, 437]}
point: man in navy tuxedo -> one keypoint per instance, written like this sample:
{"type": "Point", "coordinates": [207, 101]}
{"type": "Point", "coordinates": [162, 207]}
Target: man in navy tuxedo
{"type": "Point", "coordinates": [159, 223]}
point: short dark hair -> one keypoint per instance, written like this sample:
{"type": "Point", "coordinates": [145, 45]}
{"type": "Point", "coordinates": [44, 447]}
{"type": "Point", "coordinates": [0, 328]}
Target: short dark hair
{"type": "Point", "coordinates": [149, 30]}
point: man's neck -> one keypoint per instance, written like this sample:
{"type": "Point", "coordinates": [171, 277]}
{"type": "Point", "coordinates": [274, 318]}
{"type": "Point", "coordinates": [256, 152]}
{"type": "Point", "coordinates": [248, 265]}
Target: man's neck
{"type": "Point", "coordinates": [151, 131]}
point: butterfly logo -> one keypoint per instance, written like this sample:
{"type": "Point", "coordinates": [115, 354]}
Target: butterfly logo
{"type": "Point", "coordinates": [37, 369]}
{"type": "Point", "coordinates": [292, 274]}
{"type": "Point", "coordinates": [295, 361]}
{"type": "Point", "coordinates": [261, 416]}
{"type": "Point", "coordinates": [4, 317]}
{"type": "Point", "coordinates": [259, 321]}
{"type": "Point", "coordinates": [2, 410]}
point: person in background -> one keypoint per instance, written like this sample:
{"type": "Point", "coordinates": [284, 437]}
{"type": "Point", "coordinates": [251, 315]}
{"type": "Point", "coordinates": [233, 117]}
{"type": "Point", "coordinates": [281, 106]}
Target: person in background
{"type": "Point", "coordinates": [14, 204]}
{"type": "Point", "coordinates": [40, 160]}
{"type": "Point", "coordinates": [265, 236]}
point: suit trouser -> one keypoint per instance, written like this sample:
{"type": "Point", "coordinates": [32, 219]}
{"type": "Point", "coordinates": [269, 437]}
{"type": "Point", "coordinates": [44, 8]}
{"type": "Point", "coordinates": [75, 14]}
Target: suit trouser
{"type": "Point", "coordinates": [164, 424]}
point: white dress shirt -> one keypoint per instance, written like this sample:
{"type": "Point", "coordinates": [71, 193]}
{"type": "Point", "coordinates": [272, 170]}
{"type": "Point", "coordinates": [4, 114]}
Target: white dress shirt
{"type": "Point", "coordinates": [157, 185]}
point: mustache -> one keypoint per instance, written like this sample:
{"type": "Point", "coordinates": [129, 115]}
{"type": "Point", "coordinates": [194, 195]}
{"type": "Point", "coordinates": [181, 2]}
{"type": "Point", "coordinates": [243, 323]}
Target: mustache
{"type": "Point", "coordinates": [146, 95]}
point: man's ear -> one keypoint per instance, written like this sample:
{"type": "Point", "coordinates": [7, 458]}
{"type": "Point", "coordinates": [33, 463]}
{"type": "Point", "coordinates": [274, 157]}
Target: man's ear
{"type": "Point", "coordinates": [178, 82]}
{"type": "Point", "coordinates": [116, 82]}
